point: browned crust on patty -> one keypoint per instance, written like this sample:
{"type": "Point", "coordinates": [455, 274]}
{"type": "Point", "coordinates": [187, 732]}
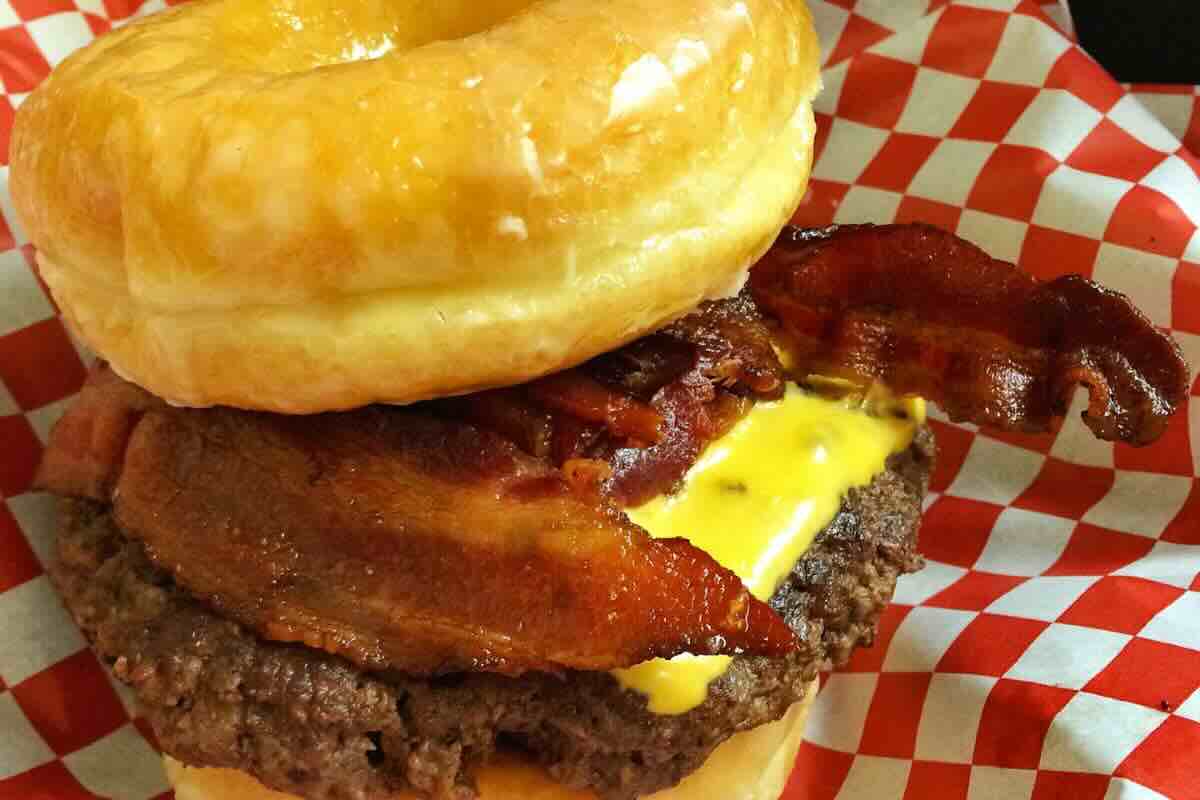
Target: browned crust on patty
{"type": "Point", "coordinates": [316, 725]}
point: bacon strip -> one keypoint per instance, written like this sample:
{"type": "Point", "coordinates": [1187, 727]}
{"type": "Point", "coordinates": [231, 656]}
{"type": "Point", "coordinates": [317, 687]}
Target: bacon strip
{"type": "Point", "coordinates": [732, 363]}
{"type": "Point", "coordinates": [399, 540]}
{"type": "Point", "coordinates": [733, 346]}
{"type": "Point", "coordinates": [931, 314]}
{"type": "Point", "coordinates": [685, 385]}
{"type": "Point", "coordinates": [575, 393]}
{"type": "Point", "coordinates": [508, 413]}
{"type": "Point", "coordinates": [482, 532]}
{"type": "Point", "coordinates": [88, 444]}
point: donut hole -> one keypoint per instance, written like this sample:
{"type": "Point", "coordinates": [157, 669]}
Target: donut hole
{"type": "Point", "coordinates": [281, 38]}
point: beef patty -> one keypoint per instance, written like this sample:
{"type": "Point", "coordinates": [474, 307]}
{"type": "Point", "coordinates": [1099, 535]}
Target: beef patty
{"type": "Point", "coordinates": [315, 725]}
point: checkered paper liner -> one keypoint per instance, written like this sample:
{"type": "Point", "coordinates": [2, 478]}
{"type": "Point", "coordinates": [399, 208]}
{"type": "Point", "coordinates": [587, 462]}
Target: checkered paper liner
{"type": "Point", "coordinates": [1051, 647]}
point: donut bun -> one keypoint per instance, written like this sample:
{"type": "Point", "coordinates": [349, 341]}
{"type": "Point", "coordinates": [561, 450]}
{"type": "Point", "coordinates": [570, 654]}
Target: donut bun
{"type": "Point", "coordinates": [752, 765]}
{"type": "Point", "coordinates": [310, 205]}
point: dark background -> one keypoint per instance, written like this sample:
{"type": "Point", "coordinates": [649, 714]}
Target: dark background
{"type": "Point", "coordinates": [1142, 41]}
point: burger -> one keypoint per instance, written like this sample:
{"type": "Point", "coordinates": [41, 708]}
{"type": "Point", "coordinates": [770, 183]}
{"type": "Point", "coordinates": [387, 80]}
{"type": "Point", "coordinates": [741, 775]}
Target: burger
{"type": "Point", "coordinates": [443, 441]}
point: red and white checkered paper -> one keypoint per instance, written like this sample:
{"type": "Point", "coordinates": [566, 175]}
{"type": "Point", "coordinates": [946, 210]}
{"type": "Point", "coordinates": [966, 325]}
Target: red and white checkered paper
{"type": "Point", "coordinates": [1051, 648]}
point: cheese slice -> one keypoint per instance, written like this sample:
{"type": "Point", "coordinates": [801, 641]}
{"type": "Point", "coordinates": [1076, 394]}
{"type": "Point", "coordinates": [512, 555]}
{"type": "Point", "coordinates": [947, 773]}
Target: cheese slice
{"type": "Point", "coordinates": [756, 499]}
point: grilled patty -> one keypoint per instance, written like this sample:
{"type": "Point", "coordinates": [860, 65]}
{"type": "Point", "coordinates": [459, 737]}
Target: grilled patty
{"type": "Point", "coordinates": [315, 725]}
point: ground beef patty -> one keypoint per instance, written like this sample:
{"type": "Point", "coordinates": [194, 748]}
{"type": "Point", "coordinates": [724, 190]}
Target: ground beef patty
{"type": "Point", "coordinates": [318, 726]}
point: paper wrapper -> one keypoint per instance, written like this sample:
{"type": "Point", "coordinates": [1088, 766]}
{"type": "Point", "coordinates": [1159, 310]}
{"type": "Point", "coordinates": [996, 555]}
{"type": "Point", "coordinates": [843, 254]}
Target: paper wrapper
{"type": "Point", "coordinates": [1051, 647]}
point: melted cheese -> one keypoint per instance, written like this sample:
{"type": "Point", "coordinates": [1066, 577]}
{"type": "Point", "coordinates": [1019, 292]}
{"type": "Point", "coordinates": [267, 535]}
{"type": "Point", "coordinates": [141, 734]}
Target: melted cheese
{"type": "Point", "coordinates": [756, 499]}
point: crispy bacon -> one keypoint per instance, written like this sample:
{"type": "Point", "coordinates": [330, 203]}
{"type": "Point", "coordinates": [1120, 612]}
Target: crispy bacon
{"type": "Point", "coordinates": [930, 314]}
{"type": "Point", "coordinates": [577, 394]}
{"type": "Point", "coordinates": [89, 441]}
{"type": "Point", "coordinates": [733, 346]}
{"type": "Point", "coordinates": [696, 413]}
{"type": "Point", "coordinates": [643, 367]}
{"type": "Point", "coordinates": [731, 363]}
{"type": "Point", "coordinates": [484, 533]}
{"type": "Point", "coordinates": [400, 540]}
{"type": "Point", "coordinates": [685, 385]}
{"type": "Point", "coordinates": [509, 413]}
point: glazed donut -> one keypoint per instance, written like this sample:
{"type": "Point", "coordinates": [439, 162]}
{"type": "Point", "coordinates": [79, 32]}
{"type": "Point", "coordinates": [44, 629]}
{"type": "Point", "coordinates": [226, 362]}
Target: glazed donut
{"type": "Point", "coordinates": [307, 205]}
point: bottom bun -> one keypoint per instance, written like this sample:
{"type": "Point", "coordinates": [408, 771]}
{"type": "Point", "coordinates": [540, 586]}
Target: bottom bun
{"type": "Point", "coordinates": [752, 765]}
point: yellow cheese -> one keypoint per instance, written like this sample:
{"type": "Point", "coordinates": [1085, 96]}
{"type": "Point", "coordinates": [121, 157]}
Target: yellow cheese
{"type": "Point", "coordinates": [754, 502]}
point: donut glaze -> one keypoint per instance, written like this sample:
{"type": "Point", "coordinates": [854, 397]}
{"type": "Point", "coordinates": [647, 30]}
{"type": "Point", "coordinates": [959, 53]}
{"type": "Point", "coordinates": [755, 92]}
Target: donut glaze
{"type": "Point", "coordinates": [307, 205]}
